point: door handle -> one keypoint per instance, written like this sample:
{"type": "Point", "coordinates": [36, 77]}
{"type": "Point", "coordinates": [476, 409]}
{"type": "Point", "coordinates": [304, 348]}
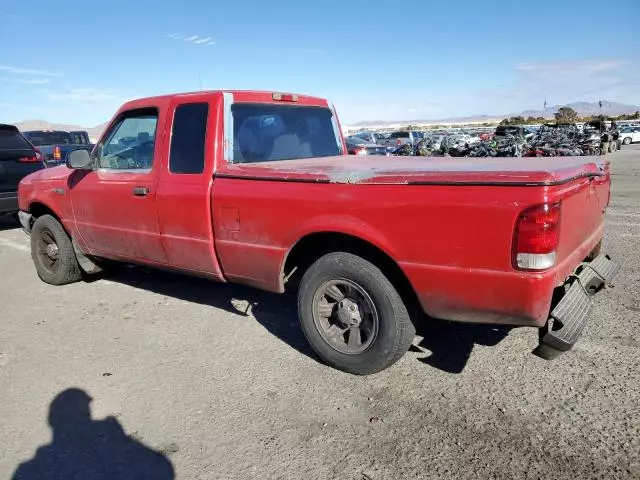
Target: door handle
{"type": "Point", "coordinates": [141, 191]}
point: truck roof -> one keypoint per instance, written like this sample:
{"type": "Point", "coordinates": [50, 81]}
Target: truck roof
{"type": "Point", "coordinates": [247, 95]}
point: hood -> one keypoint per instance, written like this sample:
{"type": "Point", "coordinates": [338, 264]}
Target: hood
{"type": "Point", "coordinates": [60, 172]}
{"type": "Point", "coordinates": [423, 170]}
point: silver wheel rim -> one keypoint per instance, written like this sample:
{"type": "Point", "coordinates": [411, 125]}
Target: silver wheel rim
{"type": "Point", "coordinates": [345, 316]}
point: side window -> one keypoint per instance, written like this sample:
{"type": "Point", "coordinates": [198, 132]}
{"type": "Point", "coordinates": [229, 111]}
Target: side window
{"type": "Point", "coordinates": [187, 138]}
{"type": "Point", "coordinates": [130, 144]}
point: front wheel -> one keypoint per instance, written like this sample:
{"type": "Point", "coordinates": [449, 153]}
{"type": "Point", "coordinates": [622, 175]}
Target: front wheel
{"type": "Point", "coordinates": [352, 315]}
{"type": "Point", "coordinates": [52, 252]}
{"type": "Point", "coordinates": [626, 141]}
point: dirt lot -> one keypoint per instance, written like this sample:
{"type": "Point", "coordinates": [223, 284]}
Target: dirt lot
{"type": "Point", "coordinates": [223, 394]}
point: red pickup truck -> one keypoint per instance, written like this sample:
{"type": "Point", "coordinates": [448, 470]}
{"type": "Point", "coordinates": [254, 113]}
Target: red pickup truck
{"type": "Point", "coordinates": [255, 188]}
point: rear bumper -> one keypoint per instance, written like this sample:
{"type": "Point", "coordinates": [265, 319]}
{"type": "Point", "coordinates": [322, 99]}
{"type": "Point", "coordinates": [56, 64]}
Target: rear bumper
{"type": "Point", "coordinates": [516, 298]}
{"type": "Point", "coordinates": [8, 202]}
{"type": "Point", "coordinates": [570, 315]}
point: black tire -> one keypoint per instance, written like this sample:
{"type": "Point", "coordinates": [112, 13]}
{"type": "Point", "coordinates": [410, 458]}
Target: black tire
{"type": "Point", "coordinates": [612, 147]}
{"type": "Point", "coordinates": [626, 141]}
{"type": "Point", "coordinates": [55, 265]}
{"type": "Point", "coordinates": [394, 331]}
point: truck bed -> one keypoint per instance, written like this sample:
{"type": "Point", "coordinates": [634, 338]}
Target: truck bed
{"type": "Point", "coordinates": [425, 170]}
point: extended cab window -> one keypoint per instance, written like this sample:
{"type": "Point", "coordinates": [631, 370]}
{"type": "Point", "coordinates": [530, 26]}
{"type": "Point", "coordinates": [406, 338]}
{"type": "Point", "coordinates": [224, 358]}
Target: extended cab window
{"type": "Point", "coordinates": [187, 138]}
{"type": "Point", "coordinates": [130, 143]}
{"type": "Point", "coordinates": [265, 132]}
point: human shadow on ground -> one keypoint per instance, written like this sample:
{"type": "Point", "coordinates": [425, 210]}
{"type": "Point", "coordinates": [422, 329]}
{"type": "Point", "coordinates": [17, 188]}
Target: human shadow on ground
{"type": "Point", "coordinates": [450, 344]}
{"type": "Point", "coordinates": [83, 448]}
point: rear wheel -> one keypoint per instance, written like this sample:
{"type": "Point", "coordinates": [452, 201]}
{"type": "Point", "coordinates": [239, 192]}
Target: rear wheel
{"type": "Point", "coordinates": [352, 315]}
{"type": "Point", "coordinates": [612, 146]}
{"type": "Point", "coordinates": [52, 252]}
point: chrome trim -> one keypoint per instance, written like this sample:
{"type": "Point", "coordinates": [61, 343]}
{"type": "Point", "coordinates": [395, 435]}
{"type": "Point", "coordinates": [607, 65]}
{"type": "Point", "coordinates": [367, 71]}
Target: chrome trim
{"type": "Point", "coordinates": [228, 127]}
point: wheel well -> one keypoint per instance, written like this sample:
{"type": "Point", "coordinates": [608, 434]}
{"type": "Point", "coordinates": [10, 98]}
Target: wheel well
{"type": "Point", "coordinates": [37, 209]}
{"type": "Point", "coordinates": [310, 248]}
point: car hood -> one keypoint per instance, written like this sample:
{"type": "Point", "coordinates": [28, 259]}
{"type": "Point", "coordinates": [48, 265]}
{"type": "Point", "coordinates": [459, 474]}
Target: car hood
{"type": "Point", "coordinates": [422, 170]}
{"type": "Point", "coordinates": [60, 172]}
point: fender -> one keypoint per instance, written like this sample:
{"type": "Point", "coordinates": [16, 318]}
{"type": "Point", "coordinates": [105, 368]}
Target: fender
{"type": "Point", "coordinates": [343, 224]}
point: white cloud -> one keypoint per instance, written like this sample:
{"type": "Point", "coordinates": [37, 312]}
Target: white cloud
{"type": "Point", "coordinates": [582, 66]}
{"type": "Point", "coordinates": [83, 95]}
{"type": "Point", "coordinates": [194, 39]}
{"type": "Point", "coordinates": [36, 81]}
{"type": "Point", "coordinates": [28, 71]}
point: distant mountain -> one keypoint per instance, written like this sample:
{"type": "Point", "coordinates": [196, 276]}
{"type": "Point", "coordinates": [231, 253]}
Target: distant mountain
{"type": "Point", "coordinates": [584, 109]}
{"type": "Point", "coordinates": [94, 132]}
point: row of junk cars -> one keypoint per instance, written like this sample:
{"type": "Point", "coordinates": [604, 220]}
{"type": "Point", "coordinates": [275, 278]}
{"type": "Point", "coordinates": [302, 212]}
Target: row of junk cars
{"type": "Point", "coordinates": [597, 137]}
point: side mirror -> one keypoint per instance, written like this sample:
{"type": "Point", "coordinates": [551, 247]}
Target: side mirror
{"type": "Point", "coordinates": [79, 160]}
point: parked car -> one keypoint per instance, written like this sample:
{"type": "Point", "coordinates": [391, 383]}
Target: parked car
{"type": "Point", "coordinates": [55, 145]}
{"type": "Point", "coordinates": [370, 137]}
{"type": "Point", "coordinates": [361, 242]}
{"type": "Point", "coordinates": [358, 146]}
{"type": "Point", "coordinates": [18, 158]}
{"type": "Point", "coordinates": [629, 135]}
{"type": "Point", "coordinates": [516, 130]}
{"type": "Point", "coordinates": [397, 139]}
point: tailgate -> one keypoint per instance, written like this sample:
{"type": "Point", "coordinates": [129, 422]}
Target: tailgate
{"type": "Point", "coordinates": [584, 202]}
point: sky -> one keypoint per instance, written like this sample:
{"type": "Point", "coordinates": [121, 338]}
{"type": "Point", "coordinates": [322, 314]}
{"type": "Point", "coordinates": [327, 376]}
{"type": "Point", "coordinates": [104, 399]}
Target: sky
{"type": "Point", "coordinates": [77, 61]}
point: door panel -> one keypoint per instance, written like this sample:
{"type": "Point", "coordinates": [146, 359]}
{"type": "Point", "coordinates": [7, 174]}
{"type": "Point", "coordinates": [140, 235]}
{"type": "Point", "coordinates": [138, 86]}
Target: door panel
{"type": "Point", "coordinates": [184, 190]}
{"type": "Point", "coordinates": [115, 204]}
{"type": "Point", "coordinates": [112, 219]}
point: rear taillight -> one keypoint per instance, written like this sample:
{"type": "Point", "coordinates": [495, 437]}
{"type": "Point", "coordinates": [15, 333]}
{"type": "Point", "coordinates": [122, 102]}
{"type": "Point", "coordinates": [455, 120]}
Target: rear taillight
{"type": "Point", "coordinates": [361, 151]}
{"type": "Point", "coordinates": [536, 237]}
{"type": "Point", "coordinates": [57, 154]}
{"type": "Point", "coordinates": [33, 159]}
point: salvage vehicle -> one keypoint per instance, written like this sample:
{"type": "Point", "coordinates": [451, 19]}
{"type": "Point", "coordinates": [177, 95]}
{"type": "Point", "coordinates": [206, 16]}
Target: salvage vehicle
{"type": "Point", "coordinates": [398, 139]}
{"type": "Point", "coordinates": [55, 144]}
{"type": "Point", "coordinates": [18, 158]}
{"type": "Point", "coordinates": [256, 188]}
{"type": "Point", "coordinates": [358, 146]}
{"type": "Point", "coordinates": [629, 135]}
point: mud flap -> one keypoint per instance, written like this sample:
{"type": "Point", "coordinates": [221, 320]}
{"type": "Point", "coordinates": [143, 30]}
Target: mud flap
{"type": "Point", "coordinates": [569, 317]}
{"type": "Point", "coordinates": [86, 264]}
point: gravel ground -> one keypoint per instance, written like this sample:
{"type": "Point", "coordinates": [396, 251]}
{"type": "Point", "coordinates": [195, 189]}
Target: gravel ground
{"type": "Point", "coordinates": [218, 393]}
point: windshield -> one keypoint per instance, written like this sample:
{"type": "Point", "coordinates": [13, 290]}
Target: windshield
{"type": "Point", "coordinates": [39, 138]}
{"type": "Point", "coordinates": [265, 132]}
{"type": "Point", "coordinates": [10, 139]}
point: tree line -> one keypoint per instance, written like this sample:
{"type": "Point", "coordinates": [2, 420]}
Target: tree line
{"type": "Point", "coordinates": [566, 115]}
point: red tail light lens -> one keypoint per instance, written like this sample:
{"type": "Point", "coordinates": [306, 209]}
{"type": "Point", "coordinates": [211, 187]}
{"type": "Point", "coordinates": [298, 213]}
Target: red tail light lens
{"type": "Point", "coordinates": [537, 235]}
{"type": "Point", "coordinates": [285, 97]}
{"type": "Point", "coordinates": [57, 154]}
{"type": "Point", "coordinates": [33, 159]}
{"type": "Point", "coordinates": [361, 151]}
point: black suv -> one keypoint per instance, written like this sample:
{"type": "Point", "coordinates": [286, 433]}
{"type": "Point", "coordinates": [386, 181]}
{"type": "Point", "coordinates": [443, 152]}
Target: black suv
{"type": "Point", "coordinates": [18, 158]}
